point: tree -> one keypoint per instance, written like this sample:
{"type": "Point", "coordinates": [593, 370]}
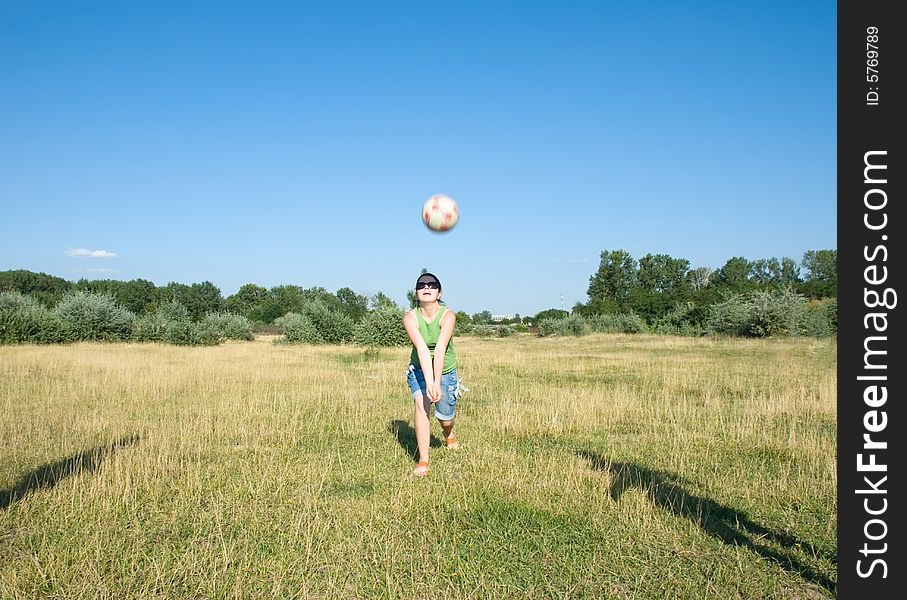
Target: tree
{"type": "Point", "coordinates": [662, 273]}
{"type": "Point", "coordinates": [47, 289]}
{"type": "Point", "coordinates": [247, 299]}
{"type": "Point", "coordinates": [765, 272]}
{"type": "Point", "coordinates": [380, 300]}
{"type": "Point", "coordinates": [821, 280]}
{"type": "Point", "coordinates": [550, 313]}
{"type": "Point", "coordinates": [482, 318]}
{"type": "Point", "coordinates": [609, 288]}
{"type": "Point", "coordinates": [699, 278]}
{"type": "Point", "coordinates": [734, 275]}
{"type": "Point", "coordinates": [138, 295]}
{"type": "Point", "coordinates": [283, 299]}
{"type": "Point", "coordinates": [790, 272]}
{"type": "Point", "coordinates": [353, 305]}
{"type": "Point", "coordinates": [203, 298]}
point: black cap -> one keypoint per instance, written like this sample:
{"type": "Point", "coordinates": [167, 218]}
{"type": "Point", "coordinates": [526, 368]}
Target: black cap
{"type": "Point", "coordinates": [428, 277]}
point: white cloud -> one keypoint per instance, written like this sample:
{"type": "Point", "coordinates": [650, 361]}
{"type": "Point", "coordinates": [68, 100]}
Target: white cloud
{"type": "Point", "coordinates": [85, 253]}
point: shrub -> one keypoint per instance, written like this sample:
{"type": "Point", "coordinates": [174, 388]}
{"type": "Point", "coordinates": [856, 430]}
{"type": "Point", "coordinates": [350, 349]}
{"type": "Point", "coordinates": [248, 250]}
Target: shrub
{"type": "Point", "coordinates": [622, 323]}
{"type": "Point", "coordinates": [228, 325]}
{"type": "Point", "coordinates": [179, 333]}
{"type": "Point", "coordinates": [172, 324]}
{"type": "Point", "coordinates": [775, 313]}
{"type": "Point", "coordinates": [683, 320]}
{"type": "Point", "coordinates": [24, 319]}
{"type": "Point", "coordinates": [205, 333]}
{"type": "Point", "coordinates": [481, 331]}
{"type": "Point", "coordinates": [576, 324]}
{"type": "Point", "coordinates": [88, 316]}
{"type": "Point", "coordinates": [821, 317]}
{"type": "Point", "coordinates": [334, 327]}
{"type": "Point", "coordinates": [463, 328]}
{"type": "Point", "coordinates": [570, 325]}
{"type": "Point", "coordinates": [759, 314]}
{"type": "Point", "coordinates": [381, 327]}
{"type": "Point", "coordinates": [150, 328]}
{"type": "Point", "coordinates": [505, 331]}
{"type": "Point", "coordinates": [298, 329]}
{"type": "Point", "coordinates": [728, 316]}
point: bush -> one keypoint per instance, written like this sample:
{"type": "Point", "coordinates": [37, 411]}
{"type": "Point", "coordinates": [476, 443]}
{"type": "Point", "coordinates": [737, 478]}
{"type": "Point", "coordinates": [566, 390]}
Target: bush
{"type": "Point", "coordinates": [88, 316]}
{"type": "Point", "coordinates": [577, 325]}
{"type": "Point", "coordinates": [24, 319]}
{"type": "Point", "coordinates": [149, 328]}
{"type": "Point", "coordinates": [463, 328]}
{"type": "Point", "coordinates": [759, 314]}
{"type": "Point", "coordinates": [229, 326]}
{"type": "Point", "coordinates": [778, 313]}
{"type": "Point", "coordinates": [505, 331]}
{"type": "Point", "coordinates": [683, 320]}
{"type": "Point", "coordinates": [728, 316]}
{"type": "Point", "coordinates": [570, 325]}
{"type": "Point", "coordinates": [298, 329]}
{"type": "Point", "coordinates": [172, 324]}
{"type": "Point", "coordinates": [205, 333]}
{"type": "Point", "coordinates": [622, 323]}
{"type": "Point", "coordinates": [180, 333]}
{"type": "Point", "coordinates": [381, 327]}
{"type": "Point", "coordinates": [821, 317]}
{"type": "Point", "coordinates": [333, 326]}
{"type": "Point", "coordinates": [482, 331]}
{"type": "Point", "coordinates": [316, 324]}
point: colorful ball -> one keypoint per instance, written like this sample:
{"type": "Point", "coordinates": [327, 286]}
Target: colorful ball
{"type": "Point", "coordinates": [440, 213]}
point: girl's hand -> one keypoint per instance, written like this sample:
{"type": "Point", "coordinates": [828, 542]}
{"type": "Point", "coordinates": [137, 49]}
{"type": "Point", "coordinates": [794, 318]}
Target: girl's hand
{"type": "Point", "coordinates": [434, 391]}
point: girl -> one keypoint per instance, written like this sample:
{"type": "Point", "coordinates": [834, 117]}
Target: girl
{"type": "Point", "coordinates": [432, 372]}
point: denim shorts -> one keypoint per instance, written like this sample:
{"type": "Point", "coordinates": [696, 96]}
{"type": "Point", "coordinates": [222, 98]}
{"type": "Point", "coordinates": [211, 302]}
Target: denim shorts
{"type": "Point", "coordinates": [450, 390]}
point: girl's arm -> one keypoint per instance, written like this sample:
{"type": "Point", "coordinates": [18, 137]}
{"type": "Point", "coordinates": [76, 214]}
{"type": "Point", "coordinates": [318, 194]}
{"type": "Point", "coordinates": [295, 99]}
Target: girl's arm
{"type": "Point", "coordinates": [448, 320]}
{"type": "Point", "coordinates": [412, 330]}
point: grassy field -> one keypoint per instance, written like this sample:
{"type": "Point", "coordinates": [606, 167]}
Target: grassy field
{"type": "Point", "coordinates": [600, 467]}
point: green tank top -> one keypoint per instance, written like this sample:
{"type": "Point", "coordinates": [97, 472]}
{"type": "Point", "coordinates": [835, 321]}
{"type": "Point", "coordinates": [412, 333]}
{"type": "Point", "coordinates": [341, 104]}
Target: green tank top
{"type": "Point", "coordinates": [430, 333]}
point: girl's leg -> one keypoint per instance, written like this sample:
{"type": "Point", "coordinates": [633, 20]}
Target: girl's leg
{"type": "Point", "coordinates": [423, 434]}
{"type": "Point", "coordinates": [449, 393]}
{"type": "Point", "coordinates": [447, 428]}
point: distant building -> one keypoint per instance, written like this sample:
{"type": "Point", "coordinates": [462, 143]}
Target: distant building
{"type": "Point", "coordinates": [499, 318]}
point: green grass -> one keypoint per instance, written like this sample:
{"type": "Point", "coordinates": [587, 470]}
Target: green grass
{"type": "Point", "coordinates": [609, 466]}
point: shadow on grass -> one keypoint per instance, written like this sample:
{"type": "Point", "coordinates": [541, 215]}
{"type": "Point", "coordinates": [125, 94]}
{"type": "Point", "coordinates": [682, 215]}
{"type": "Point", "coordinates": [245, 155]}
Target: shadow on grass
{"type": "Point", "coordinates": [728, 525]}
{"type": "Point", "coordinates": [50, 474]}
{"type": "Point", "coordinates": [406, 437]}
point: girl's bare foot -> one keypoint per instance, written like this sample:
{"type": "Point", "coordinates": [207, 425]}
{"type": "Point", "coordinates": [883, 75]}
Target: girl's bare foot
{"type": "Point", "coordinates": [421, 469]}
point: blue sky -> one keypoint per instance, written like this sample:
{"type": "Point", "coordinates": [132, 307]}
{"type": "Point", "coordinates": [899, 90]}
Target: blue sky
{"type": "Point", "coordinates": [295, 142]}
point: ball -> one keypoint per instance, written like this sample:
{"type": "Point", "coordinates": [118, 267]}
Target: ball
{"type": "Point", "coordinates": [440, 213]}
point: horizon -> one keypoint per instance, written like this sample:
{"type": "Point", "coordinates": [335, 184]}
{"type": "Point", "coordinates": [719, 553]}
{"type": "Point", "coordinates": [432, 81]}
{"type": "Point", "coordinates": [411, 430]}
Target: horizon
{"type": "Point", "coordinates": [402, 302]}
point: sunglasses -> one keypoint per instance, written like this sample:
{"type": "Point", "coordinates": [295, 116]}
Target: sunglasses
{"type": "Point", "coordinates": [432, 285]}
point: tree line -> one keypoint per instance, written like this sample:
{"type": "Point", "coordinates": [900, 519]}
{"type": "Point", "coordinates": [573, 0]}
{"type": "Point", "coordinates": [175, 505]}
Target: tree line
{"type": "Point", "coordinates": [657, 284]}
{"type": "Point", "coordinates": [657, 288]}
{"type": "Point", "coordinates": [259, 304]}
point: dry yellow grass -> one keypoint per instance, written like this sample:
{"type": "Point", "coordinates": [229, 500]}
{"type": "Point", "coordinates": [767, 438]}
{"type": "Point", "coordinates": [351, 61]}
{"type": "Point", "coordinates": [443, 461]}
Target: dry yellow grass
{"type": "Point", "coordinates": [606, 466]}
